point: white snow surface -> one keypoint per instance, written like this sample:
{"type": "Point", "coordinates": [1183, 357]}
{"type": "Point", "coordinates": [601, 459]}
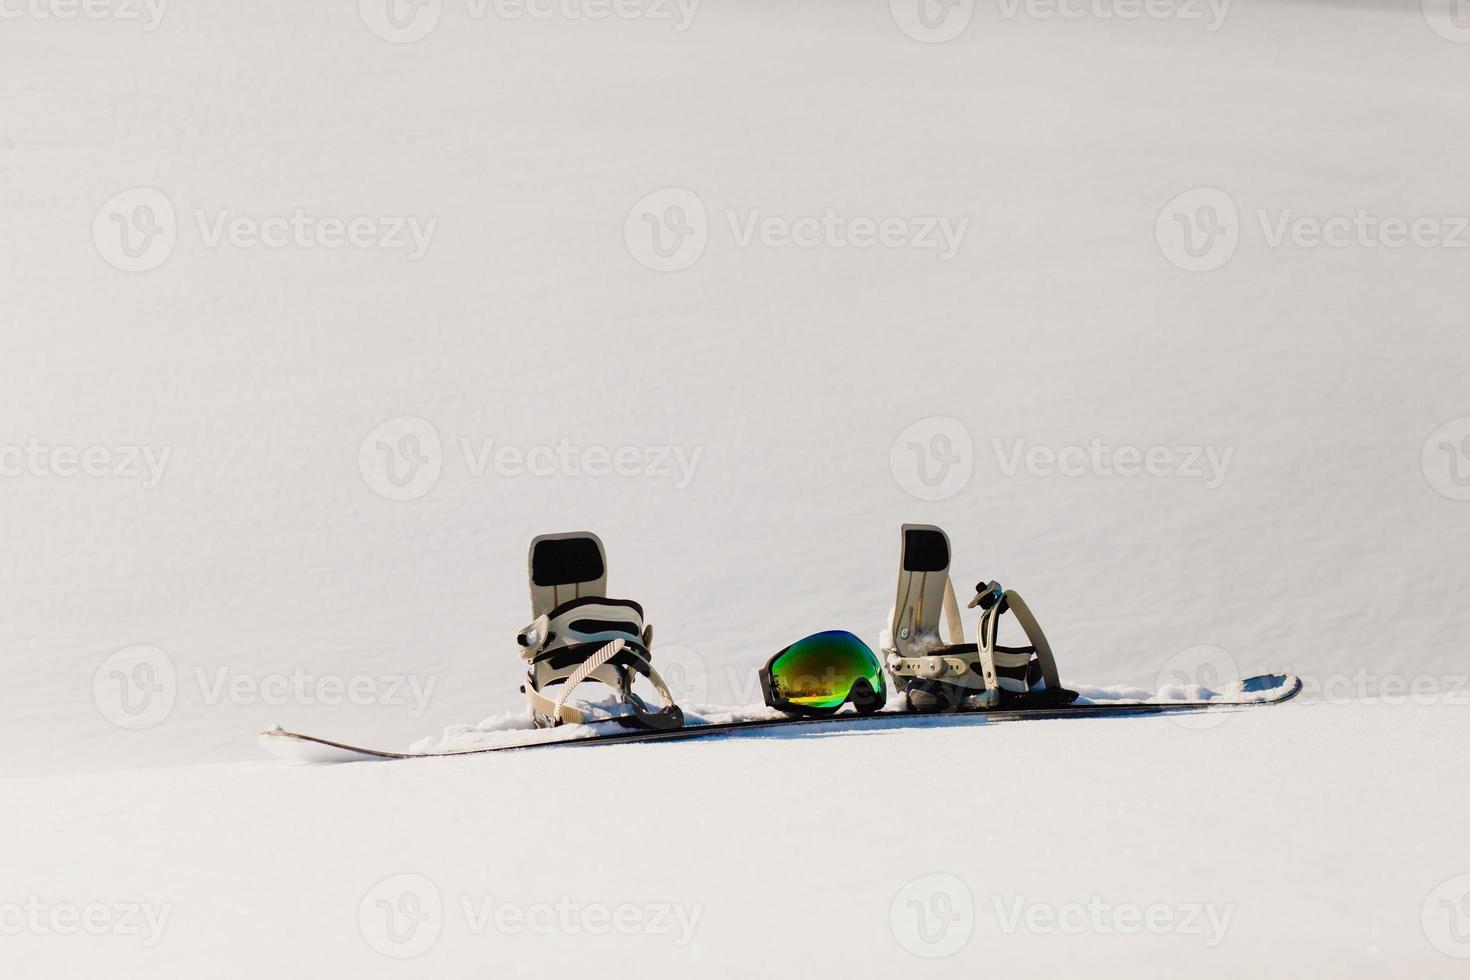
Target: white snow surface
{"type": "Point", "coordinates": [270, 583]}
{"type": "Point", "coordinates": [1301, 824]}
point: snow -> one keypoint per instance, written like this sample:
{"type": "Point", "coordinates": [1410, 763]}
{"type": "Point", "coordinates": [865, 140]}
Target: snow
{"type": "Point", "coordinates": [247, 567]}
{"type": "Point", "coordinates": [1306, 823]}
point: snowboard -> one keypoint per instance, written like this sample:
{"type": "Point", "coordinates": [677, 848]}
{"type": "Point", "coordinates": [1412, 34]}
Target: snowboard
{"type": "Point", "coordinates": [1264, 689]}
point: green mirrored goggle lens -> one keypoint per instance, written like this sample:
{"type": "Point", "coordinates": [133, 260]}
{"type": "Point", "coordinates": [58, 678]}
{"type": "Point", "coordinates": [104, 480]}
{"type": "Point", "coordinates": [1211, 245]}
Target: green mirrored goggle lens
{"type": "Point", "coordinates": [820, 670]}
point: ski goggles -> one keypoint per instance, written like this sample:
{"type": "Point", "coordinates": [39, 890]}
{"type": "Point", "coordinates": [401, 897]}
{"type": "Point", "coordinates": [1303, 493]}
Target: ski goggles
{"type": "Point", "coordinates": [820, 673]}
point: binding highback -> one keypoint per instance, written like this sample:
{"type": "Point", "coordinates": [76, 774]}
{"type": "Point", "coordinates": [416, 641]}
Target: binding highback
{"type": "Point", "coordinates": [925, 594]}
{"type": "Point", "coordinates": [565, 566]}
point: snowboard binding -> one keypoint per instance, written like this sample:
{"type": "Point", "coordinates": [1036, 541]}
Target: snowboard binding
{"type": "Point", "coordinates": [943, 673]}
{"type": "Point", "coordinates": [579, 634]}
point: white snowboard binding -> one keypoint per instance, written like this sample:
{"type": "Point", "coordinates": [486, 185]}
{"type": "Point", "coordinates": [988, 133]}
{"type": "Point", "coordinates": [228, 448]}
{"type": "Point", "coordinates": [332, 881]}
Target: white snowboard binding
{"type": "Point", "coordinates": [944, 673]}
{"type": "Point", "coordinates": [579, 634]}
